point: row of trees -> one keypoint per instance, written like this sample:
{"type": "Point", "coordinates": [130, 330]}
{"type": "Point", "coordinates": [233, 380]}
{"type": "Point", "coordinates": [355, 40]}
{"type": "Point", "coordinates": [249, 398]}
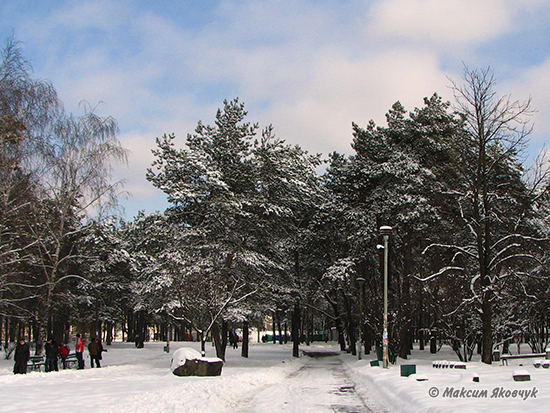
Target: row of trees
{"type": "Point", "coordinates": [253, 229]}
{"type": "Point", "coordinates": [55, 171]}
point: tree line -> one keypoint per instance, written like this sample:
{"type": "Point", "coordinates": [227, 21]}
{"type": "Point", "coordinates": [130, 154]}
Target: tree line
{"type": "Point", "coordinates": [254, 229]}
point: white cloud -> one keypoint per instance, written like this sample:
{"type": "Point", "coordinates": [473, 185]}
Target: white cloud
{"type": "Point", "coordinates": [534, 83]}
{"type": "Point", "coordinates": [142, 195]}
{"type": "Point", "coordinates": [309, 68]}
{"type": "Point", "coordinates": [341, 91]}
{"type": "Point", "coordinates": [303, 75]}
{"type": "Point", "coordinates": [78, 15]}
{"type": "Point", "coordinates": [447, 23]}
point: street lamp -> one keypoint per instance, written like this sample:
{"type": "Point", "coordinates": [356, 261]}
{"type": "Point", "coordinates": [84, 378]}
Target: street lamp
{"type": "Point", "coordinates": [385, 231]}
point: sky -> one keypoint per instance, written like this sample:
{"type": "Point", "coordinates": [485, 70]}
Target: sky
{"type": "Point", "coordinates": [308, 67]}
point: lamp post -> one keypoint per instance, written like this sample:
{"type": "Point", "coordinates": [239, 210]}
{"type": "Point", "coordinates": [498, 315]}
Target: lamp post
{"type": "Point", "coordinates": [385, 231]}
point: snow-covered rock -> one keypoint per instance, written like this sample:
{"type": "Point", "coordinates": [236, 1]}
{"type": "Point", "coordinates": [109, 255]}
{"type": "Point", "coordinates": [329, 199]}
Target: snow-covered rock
{"type": "Point", "coordinates": [189, 362]}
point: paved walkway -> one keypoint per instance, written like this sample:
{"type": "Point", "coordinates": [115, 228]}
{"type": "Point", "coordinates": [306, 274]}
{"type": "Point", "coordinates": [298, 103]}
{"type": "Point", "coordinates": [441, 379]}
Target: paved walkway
{"type": "Point", "coordinates": [321, 385]}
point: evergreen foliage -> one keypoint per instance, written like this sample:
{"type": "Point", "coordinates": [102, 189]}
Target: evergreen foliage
{"type": "Point", "coordinates": [255, 231]}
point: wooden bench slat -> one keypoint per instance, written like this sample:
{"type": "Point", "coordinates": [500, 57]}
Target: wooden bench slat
{"type": "Point", "coordinates": [522, 356]}
{"type": "Point", "coordinates": [35, 363]}
{"type": "Point", "coordinates": [506, 357]}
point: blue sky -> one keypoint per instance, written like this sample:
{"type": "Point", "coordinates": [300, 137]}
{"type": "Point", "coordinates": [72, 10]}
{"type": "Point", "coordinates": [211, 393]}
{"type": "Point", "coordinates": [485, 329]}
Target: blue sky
{"type": "Point", "coordinates": [310, 68]}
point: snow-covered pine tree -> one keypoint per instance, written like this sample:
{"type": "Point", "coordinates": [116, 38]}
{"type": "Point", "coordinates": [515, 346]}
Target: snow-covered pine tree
{"type": "Point", "coordinates": [396, 177]}
{"type": "Point", "coordinates": [288, 193]}
{"type": "Point", "coordinates": [211, 185]}
{"type": "Point", "coordinates": [152, 242]}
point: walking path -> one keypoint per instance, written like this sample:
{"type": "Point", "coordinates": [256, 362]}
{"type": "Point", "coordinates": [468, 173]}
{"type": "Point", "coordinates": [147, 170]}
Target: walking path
{"type": "Point", "coordinates": [321, 385]}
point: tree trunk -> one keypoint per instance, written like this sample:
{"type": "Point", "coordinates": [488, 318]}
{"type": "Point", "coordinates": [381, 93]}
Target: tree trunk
{"type": "Point", "coordinates": [110, 328]}
{"type": "Point", "coordinates": [130, 330]}
{"type": "Point", "coordinates": [224, 335]}
{"type": "Point", "coordinates": [305, 326]}
{"type": "Point", "coordinates": [58, 330]}
{"type": "Point", "coordinates": [244, 347]}
{"type": "Point", "coordinates": [339, 322]}
{"type": "Point", "coordinates": [140, 329]}
{"type": "Point", "coordinates": [38, 341]}
{"type": "Point", "coordinates": [12, 333]}
{"type": "Point", "coordinates": [433, 343]}
{"type": "Point", "coordinates": [202, 339]}
{"type": "Point", "coordinates": [220, 350]}
{"type": "Point", "coordinates": [296, 330]}
{"type": "Point", "coordinates": [406, 322]}
{"type": "Point", "coordinates": [486, 331]}
{"type": "Point", "coordinates": [350, 324]}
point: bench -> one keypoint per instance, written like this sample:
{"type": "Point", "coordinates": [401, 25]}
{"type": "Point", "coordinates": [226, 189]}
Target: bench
{"type": "Point", "coordinates": [35, 363]}
{"type": "Point", "coordinates": [70, 361]}
{"type": "Point", "coordinates": [505, 357]}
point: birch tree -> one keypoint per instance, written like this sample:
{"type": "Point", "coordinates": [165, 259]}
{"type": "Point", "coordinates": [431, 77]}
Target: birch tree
{"type": "Point", "coordinates": [76, 184]}
{"type": "Point", "coordinates": [28, 108]}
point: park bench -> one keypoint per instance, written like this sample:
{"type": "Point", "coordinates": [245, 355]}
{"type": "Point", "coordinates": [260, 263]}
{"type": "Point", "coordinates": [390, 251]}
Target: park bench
{"type": "Point", "coordinates": [35, 363]}
{"type": "Point", "coordinates": [505, 357]}
{"type": "Point", "coordinates": [70, 361]}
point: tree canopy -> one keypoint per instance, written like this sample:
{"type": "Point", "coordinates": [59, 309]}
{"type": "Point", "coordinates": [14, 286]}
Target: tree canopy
{"type": "Point", "coordinates": [261, 230]}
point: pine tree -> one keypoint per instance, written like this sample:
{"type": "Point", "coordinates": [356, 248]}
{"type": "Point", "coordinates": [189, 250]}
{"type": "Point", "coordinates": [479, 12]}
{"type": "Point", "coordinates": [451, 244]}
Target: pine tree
{"type": "Point", "coordinates": [396, 177]}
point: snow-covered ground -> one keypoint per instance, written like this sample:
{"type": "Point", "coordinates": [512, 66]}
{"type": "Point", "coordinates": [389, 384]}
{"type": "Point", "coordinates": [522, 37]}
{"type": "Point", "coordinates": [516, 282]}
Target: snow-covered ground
{"type": "Point", "coordinates": [139, 380]}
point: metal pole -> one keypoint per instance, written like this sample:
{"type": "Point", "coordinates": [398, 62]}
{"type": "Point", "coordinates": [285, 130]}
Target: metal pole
{"type": "Point", "coordinates": [385, 231]}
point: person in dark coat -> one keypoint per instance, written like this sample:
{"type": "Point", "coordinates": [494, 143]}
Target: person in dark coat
{"type": "Point", "coordinates": [21, 357]}
{"type": "Point", "coordinates": [52, 351]}
{"type": "Point", "coordinates": [95, 348]}
{"type": "Point", "coordinates": [234, 339]}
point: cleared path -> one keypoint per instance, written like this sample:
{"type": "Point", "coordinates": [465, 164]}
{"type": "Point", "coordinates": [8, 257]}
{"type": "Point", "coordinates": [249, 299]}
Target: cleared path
{"type": "Point", "coordinates": [321, 385]}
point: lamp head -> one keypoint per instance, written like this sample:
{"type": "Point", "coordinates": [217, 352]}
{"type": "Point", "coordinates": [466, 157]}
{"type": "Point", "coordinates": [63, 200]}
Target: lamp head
{"type": "Point", "coordinates": [385, 230]}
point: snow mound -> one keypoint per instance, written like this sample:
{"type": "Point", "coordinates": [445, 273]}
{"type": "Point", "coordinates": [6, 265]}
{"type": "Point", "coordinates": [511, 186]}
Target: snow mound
{"type": "Point", "coordinates": [183, 354]}
{"type": "Point", "coordinates": [189, 362]}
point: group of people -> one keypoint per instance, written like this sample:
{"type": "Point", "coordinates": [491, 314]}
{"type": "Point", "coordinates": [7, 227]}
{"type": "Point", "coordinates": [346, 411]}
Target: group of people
{"type": "Point", "coordinates": [54, 352]}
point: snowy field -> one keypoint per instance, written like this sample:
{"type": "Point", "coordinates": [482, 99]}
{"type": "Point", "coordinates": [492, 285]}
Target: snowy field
{"type": "Point", "coordinates": [139, 380]}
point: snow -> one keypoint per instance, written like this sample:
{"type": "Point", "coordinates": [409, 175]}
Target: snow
{"type": "Point", "coordinates": [183, 354]}
{"type": "Point", "coordinates": [454, 389]}
{"type": "Point", "coordinates": [140, 380]}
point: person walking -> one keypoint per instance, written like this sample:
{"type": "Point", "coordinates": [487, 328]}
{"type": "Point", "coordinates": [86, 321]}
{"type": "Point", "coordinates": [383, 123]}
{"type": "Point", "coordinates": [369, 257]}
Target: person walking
{"type": "Point", "coordinates": [52, 351]}
{"type": "Point", "coordinates": [21, 357]}
{"type": "Point", "coordinates": [95, 349]}
{"type": "Point", "coordinates": [79, 349]}
{"type": "Point", "coordinates": [234, 339]}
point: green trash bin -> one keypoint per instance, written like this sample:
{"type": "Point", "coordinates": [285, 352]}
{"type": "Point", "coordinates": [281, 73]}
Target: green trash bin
{"type": "Point", "coordinates": [374, 363]}
{"type": "Point", "coordinates": [408, 369]}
